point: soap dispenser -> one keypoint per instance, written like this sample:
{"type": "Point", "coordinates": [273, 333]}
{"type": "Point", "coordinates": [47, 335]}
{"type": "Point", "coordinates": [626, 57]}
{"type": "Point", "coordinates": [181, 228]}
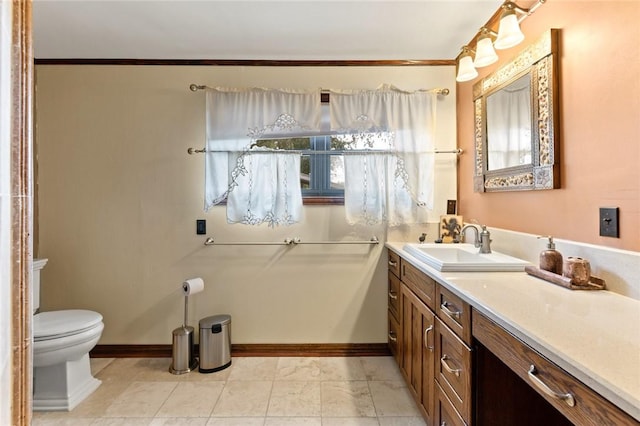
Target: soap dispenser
{"type": "Point", "coordinates": [551, 259]}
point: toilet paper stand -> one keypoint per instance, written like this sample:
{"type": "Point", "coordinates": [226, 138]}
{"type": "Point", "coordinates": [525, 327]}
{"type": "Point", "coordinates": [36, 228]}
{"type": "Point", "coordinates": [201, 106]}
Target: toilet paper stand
{"type": "Point", "coordinates": [183, 354]}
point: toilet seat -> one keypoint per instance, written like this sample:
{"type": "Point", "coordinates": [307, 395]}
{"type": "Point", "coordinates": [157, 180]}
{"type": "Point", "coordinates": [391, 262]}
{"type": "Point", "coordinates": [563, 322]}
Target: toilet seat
{"type": "Point", "coordinates": [58, 324]}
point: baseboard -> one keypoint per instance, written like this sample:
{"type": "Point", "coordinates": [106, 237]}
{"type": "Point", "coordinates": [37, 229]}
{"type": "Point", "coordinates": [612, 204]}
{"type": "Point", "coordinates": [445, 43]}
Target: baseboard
{"type": "Point", "coordinates": [131, 351]}
{"type": "Point", "coordinates": [248, 350]}
{"type": "Point", "coordinates": [311, 349]}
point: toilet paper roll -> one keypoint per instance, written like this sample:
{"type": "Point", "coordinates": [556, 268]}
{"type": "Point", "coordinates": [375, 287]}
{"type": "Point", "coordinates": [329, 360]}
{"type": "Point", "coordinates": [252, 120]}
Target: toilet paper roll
{"type": "Point", "coordinates": [192, 286]}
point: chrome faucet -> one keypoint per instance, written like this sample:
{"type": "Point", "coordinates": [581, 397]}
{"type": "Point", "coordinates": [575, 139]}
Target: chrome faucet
{"type": "Point", "coordinates": [483, 237]}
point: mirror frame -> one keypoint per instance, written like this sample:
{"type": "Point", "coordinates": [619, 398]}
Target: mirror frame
{"type": "Point", "coordinates": [540, 59]}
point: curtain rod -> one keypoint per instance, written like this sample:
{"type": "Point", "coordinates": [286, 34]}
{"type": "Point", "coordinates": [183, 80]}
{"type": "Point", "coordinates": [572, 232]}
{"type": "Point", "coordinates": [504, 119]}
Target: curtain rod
{"type": "Point", "coordinates": [195, 87]}
{"type": "Point", "coordinates": [192, 151]}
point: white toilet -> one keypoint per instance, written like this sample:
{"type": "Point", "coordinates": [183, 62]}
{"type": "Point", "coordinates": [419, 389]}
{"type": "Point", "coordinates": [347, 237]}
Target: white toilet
{"type": "Point", "coordinates": [61, 344]}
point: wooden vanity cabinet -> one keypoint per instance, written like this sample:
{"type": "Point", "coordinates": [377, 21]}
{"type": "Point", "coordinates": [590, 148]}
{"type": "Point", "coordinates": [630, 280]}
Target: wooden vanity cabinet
{"type": "Point", "coordinates": [421, 284]}
{"type": "Point", "coordinates": [501, 381]}
{"type": "Point", "coordinates": [414, 345]}
{"type": "Point", "coordinates": [455, 313]}
{"type": "Point", "coordinates": [394, 337]}
{"type": "Point", "coordinates": [445, 413]}
{"type": "Point", "coordinates": [453, 352]}
{"type": "Point", "coordinates": [417, 365]}
{"type": "Point", "coordinates": [412, 330]}
{"type": "Point", "coordinates": [564, 399]}
{"type": "Point", "coordinates": [394, 295]}
{"type": "Point", "coordinates": [453, 369]}
{"type": "Point", "coordinates": [394, 263]}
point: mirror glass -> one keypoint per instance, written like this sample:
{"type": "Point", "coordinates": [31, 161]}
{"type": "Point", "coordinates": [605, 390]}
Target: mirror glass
{"type": "Point", "coordinates": [516, 125]}
{"type": "Point", "coordinates": [509, 140]}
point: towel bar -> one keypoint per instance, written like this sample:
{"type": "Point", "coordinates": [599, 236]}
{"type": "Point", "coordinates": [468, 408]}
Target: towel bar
{"type": "Point", "coordinates": [287, 242]}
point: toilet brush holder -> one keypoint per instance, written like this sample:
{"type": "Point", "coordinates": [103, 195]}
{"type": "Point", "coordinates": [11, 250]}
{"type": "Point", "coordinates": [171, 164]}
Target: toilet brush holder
{"type": "Point", "coordinates": [183, 355]}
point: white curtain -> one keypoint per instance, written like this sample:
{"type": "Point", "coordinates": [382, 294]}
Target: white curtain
{"type": "Point", "coordinates": [259, 187]}
{"type": "Point", "coordinates": [268, 192]}
{"type": "Point", "coordinates": [396, 187]}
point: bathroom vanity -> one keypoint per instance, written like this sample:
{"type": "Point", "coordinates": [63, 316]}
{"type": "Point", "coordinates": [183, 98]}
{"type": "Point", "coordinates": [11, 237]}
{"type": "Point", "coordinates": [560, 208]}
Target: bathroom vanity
{"type": "Point", "coordinates": [505, 348]}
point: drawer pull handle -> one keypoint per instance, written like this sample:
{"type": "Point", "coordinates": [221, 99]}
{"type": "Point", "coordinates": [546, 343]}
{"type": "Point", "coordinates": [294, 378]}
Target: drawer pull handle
{"type": "Point", "coordinates": [445, 364]}
{"type": "Point", "coordinates": [453, 314]}
{"type": "Point", "coordinates": [392, 295]}
{"type": "Point", "coordinates": [426, 338]}
{"type": "Point", "coordinates": [392, 337]}
{"type": "Point", "coordinates": [566, 397]}
{"type": "Point", "coordinates": [393, 263]}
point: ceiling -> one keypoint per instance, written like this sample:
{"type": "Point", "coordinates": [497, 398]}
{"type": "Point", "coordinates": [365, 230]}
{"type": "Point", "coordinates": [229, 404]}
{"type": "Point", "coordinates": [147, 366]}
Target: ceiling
{"type": "Point", "coordinates": [257, 30]}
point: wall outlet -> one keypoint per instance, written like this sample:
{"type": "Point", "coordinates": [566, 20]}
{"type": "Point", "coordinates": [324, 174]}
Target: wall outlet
{"type": "Point", "coordinates": [609, 222]}
{"type": "Point", "coordinates": [201, 226]}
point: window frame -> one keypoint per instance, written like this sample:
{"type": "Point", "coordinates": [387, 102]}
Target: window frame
{"type": "Point", "coordinates": [324, 200]}
{"type": "Point", "coordinates": [319, 154]}
{"type": "Point", "coordinates": [327, 198]}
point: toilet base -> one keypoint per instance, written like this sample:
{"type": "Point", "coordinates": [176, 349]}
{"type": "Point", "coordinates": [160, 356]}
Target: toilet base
{"type": "Point", "coordinates": [61, 387]}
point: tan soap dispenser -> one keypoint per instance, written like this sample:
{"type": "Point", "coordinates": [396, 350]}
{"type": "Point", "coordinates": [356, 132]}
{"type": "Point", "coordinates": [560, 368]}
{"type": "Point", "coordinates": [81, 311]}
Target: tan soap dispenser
{"type": "Point", "coordinates": [551, 259]}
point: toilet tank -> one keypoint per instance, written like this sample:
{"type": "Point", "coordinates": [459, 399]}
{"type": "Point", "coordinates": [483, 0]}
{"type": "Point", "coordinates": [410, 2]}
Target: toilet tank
{"type": "Point", "coordinates": [38, 264]}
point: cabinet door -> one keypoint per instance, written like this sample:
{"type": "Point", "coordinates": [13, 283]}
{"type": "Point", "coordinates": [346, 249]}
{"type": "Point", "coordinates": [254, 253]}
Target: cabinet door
{"type": "Point", "coordinates": [418, 356]}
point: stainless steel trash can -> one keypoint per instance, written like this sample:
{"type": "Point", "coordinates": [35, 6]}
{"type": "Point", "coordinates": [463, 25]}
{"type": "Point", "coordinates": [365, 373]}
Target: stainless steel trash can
{"type": "Point", "coordinates": [183, 356]}
{"type": "Point", "coordinates": [215, 343]}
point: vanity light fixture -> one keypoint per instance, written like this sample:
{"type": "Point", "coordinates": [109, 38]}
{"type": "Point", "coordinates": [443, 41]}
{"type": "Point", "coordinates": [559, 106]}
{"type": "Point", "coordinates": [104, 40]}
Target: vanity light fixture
{"type": "Point", "coordinates": [466, 70]}
{"type": "Point", "coordinates": [485, 53]}
{"type": "Point", "coordinates": [509, 34]}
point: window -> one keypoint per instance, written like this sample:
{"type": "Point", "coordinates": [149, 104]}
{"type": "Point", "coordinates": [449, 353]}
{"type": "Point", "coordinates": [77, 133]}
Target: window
{"type": "Point", "coordinates": [321, 165]}
{"type": "Point", "coordinates": [367, 149]}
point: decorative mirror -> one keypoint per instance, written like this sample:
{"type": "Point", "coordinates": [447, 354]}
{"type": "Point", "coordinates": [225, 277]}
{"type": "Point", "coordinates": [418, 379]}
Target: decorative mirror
{"type": "Point", "coordinates": [516, 122]}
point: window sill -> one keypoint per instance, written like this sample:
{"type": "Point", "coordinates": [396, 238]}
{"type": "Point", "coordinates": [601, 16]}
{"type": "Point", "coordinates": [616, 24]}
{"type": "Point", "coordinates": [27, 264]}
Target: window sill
{"type": "Point", "coordinates": [323, 201]}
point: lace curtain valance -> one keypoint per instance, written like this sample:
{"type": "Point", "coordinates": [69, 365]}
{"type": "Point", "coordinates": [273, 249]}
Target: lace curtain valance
{"type": "Point", "coordinates": [258, 188]}
{"type": "Point", "coordinates": [396, 188]}
{"type": "Point", "coordinates": [388, 176]}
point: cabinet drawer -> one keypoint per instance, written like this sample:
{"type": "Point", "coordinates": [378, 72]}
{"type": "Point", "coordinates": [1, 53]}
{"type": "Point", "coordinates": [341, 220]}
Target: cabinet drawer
{"type": "Point", "coordinates": [577, 402]}
{"type": "Point", "coordinates": [445, 413]}
{"type": "Point", "coordinates": [454, 312]}
{"type": "Point", "coordinates": [453, 369]}
{"type": "Point", "coordinates": [394, 263]}
{"type": "Point", "coordinates": [423, 286]}
{"type": "Point", "coordinates": [393, 295]}
{"type": "Point", "coordinates": [393, 337]}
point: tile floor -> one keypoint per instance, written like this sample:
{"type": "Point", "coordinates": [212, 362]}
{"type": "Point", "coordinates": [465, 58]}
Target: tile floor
{"type": "Point", "coordinates": [354, 391]}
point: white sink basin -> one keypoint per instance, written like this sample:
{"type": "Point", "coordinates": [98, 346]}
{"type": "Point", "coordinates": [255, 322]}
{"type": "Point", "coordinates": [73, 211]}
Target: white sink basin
{"type": "Point", "coordinates": [463, 257]}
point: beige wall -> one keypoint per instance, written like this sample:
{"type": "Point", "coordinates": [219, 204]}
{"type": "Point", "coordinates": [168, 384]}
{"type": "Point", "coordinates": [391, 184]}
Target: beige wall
{"type": "Point", "coordinates": [599, 129]}
{"type": "Point", "coordinates": [118, 197]}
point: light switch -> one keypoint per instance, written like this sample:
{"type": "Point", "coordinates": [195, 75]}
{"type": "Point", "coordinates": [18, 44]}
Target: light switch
{"type": "Point", "coordinates": [609, 222]}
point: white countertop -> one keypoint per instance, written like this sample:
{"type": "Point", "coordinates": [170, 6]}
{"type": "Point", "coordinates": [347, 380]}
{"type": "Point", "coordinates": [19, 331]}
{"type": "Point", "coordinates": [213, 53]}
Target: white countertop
{"type": "Point", "coordinates": [593, 335]}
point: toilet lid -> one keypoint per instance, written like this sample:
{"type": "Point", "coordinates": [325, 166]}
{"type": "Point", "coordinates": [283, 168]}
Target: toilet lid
{"type": "Point", "coordinates": [47, 325]}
